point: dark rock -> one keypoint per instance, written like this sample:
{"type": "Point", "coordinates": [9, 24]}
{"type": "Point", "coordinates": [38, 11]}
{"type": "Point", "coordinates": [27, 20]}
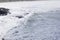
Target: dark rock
{"type": "Point", "coordinates": [19, 16]}
{"type": "Point", "coordinates": [2, 38]}
{"type": "Point", "coordinates": [4, 11]}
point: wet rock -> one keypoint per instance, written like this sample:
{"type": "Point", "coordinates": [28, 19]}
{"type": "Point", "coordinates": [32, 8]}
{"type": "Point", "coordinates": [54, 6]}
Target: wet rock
{"type": "Point", "coordinates": [2, 38]}
{"type": "Point", "coordinates": [4, 11]}
{"type": "Point", "coordinates": [19, 16]}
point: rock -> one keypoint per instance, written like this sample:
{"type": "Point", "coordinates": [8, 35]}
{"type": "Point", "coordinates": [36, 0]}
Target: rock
{"type": "Point", "coordinates": [19, 16]}
{"type": "Point", "coordinates": [4, 11]}
{"type": "Point", "coordinates": [2, 38]}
